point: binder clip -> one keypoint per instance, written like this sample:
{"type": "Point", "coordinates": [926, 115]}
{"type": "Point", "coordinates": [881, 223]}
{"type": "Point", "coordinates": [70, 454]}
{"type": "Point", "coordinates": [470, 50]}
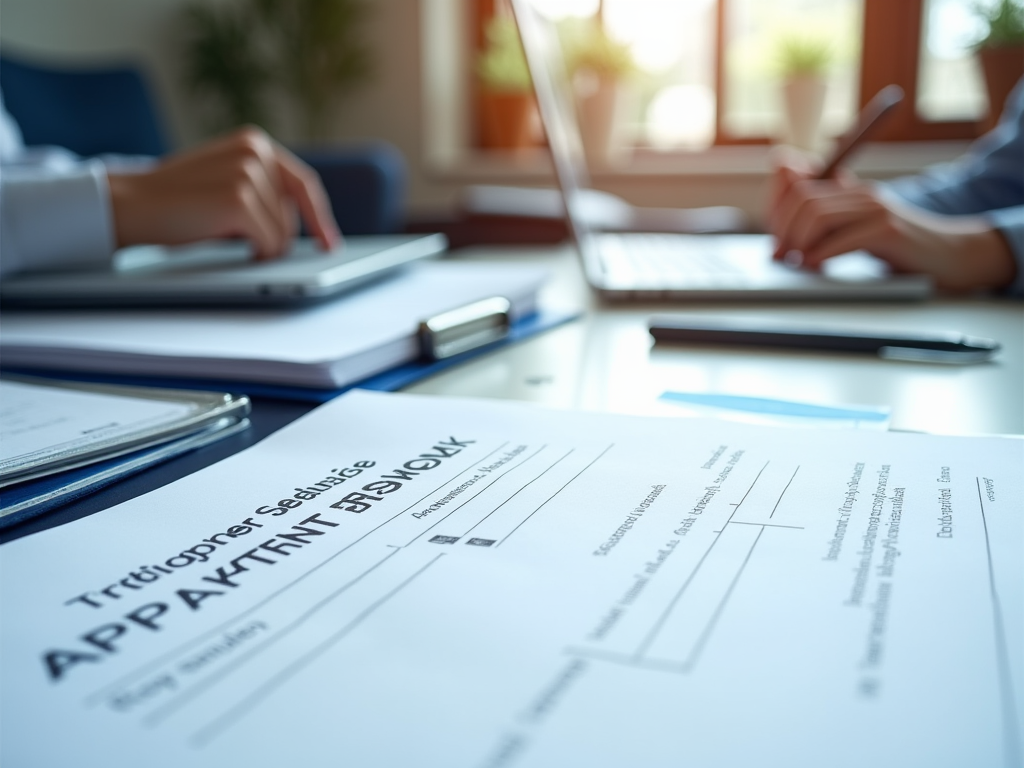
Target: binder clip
{"type": "Point", "coordinates": [466, 328]}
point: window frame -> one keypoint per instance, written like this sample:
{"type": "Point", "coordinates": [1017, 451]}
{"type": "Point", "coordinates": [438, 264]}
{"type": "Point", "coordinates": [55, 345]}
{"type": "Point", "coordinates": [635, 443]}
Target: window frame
{"type": "Point", "coordinates": [890, 53]}
{"type": "Point", "coordinates": [891, 48]}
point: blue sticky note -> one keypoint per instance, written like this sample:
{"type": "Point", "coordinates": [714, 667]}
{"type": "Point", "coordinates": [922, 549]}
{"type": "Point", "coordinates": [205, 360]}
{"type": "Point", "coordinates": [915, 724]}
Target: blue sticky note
{"type": "Point", "coordinates": [784, 411]}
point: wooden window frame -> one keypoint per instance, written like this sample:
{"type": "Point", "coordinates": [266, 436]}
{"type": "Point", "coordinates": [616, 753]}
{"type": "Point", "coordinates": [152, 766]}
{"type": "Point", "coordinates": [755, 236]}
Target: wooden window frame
{"type": "Point", "coordinates": [481, 12]}
{"type": "Point", "coordinates": [891, 52]}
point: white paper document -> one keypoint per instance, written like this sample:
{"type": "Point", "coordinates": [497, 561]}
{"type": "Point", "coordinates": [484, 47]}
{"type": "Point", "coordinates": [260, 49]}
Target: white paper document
{"type": "Point", "coordinates": [412, 581]}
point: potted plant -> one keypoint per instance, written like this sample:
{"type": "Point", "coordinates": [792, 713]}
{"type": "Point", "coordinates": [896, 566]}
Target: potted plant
{"type": "Point", "coordinates": [320, 54]}
{"type": "Point", "coordinates": [1001, 52]}
{"type": "Point", "coordinates": [507, 107]}
{"type": "Point", "coordinates": [310, 51]}
{"type": "Point", "coordinates": [601, 68]}
{"type": "Point", "coordinates": [804, 64]}
{"type": "Point", "coordinates": [222, 62]}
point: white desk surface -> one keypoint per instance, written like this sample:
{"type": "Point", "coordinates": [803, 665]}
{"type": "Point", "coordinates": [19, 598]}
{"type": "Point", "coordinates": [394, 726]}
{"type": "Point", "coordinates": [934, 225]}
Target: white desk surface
{"type": "Point", "coordinates": [606, 360]}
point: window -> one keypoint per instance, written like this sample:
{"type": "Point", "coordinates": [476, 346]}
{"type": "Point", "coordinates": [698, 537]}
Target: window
{"type": "Point", "coordinates": [753, 34]}
{"type": "Point", "coordinates": [911, 43]}
{"type": "Point", "coordinates": [709, 70]}
{"type": "Point", "coordinates": [949, 85]}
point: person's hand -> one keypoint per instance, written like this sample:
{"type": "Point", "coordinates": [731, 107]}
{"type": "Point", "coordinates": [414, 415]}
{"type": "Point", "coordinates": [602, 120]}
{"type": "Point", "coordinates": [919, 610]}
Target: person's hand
{"type": "Point", "coordinates": [241, 185]}
{"type": "Point", "coordinates": [814, 220]}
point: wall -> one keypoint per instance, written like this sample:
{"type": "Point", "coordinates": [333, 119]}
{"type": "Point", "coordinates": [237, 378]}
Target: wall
{"type": "Point", "coordinates": [147, 31]}
{"type": "Point", "coordinates": [95, 32]}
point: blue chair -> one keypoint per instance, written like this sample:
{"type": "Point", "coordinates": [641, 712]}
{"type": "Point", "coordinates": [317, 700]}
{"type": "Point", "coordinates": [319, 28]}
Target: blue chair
{"type": "Point", "coordinates": [366, 185]}
{"type": "Point", "coordinates": [93, 111]}
{"type": "Point", "coordinates": [89, 111]}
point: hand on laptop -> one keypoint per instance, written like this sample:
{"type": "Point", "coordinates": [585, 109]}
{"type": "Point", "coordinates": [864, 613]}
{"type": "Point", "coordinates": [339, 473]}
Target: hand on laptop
{"type": "Point", "coordinates": [243, 184]}
{"type": "Point", "coordinates": [818, 219]}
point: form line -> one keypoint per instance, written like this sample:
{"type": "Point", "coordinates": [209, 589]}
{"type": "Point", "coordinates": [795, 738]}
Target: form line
{"type": "Point", "coordinates": [698, 647]}
{"type": "Point", "coordinates": [642, 662]}
{"type": "Point", "coordinates": [161, 712]}
{"type": "Point", "coordinates": [629, 660]}
{"type": "Point", "coordinates": [784, 491]}
{"type": "Point", "coordinates": [452, 480]}
{"type": "Point", "coordinates": [756, 478]}
{"type": "Point", "coordinates": [552, 496]}
{"type": "Point", "coordinates": [523, 488]}
{"type": "Point", "coordinates": [225, 720]}
{"type": "Point", "coordinates": [646, 642]}
{"type": "Point", "coordinates": [1011, 734]}
{"type": "Point", "coordinates": [476, 495]}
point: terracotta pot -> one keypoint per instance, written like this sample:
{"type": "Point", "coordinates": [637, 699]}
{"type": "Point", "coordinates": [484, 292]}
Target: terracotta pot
{"type": "Point", "coordinates": [1002, 68]}
{"type": "Point", "coordinates": [805, 101]}
{"type": "Point", "coordinates": [506, 120]}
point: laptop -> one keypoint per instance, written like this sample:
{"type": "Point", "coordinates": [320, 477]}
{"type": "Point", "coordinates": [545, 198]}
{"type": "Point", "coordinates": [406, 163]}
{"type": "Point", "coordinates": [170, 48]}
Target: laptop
{"type": "Point", "coordinates": [645, 266]}
{"type": "Point", "coordinates": [222, 273]}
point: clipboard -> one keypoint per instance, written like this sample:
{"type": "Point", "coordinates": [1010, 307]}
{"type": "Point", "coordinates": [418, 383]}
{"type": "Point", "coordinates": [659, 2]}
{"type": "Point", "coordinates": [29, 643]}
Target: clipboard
{"type": "Point", "coordinates": [64, 440]}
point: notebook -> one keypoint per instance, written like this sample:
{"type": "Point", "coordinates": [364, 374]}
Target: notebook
{"type": "Point", "coordinates": [644, 266]}
{"type": "Point", "coordinates": [216, 273]}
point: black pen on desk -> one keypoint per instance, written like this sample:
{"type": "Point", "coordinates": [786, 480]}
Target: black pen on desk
{"type": "Point", "coordinates": [934, 348]}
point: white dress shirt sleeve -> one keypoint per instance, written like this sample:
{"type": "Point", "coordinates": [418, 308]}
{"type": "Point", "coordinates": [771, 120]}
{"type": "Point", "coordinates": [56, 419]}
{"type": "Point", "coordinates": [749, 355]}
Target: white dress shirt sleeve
{"type": "Point", "coordinates": [54, 207]}
{"type": "Point", "coordinates": [988, 180]}
{"type": "Point", "coordinates": [55, 220]}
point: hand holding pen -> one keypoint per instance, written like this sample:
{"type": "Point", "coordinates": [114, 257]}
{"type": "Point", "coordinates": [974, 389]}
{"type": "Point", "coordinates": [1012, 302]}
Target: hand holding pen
{"type": "Point", "coordinates": [816, 214]}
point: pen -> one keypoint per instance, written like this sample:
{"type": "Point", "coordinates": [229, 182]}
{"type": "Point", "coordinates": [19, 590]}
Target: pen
{"type": "Point", "coordinates": [938, 348]}
{"type": "Point", "coordinates": [867, 121]}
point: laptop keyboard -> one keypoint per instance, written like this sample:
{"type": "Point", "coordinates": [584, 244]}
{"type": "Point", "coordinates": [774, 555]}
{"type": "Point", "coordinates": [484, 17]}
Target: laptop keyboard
{"type": "Point", "coordinates": [660, 260]}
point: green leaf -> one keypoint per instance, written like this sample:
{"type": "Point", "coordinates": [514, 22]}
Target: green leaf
{"type": "Point", "coordinates": [799, 55]}
{"type": "Point", "coordinates": [1005, 22]}
{"type": "Point", "coordinates": [502, 64]}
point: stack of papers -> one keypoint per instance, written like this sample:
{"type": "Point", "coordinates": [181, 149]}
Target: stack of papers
{"type": "Point", "coordinates": [60, 440]}
{"type": "Point", "coordinates": [326, 346]}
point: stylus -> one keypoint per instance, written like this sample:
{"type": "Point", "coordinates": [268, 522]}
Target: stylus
{"type": "Point", "coordinates": [939, 347]}
{"type": "Point", "coordinates": [867, 121]}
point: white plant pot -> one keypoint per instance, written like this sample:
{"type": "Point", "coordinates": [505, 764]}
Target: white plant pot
{"type": "Point", "coordinates": [603, 105]}
{"type": "Point", "coordinates": [805, 101]}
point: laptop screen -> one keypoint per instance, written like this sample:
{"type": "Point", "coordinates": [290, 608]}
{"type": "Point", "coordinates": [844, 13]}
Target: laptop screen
{"type": "Point", "coordinates": [557, 111]}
